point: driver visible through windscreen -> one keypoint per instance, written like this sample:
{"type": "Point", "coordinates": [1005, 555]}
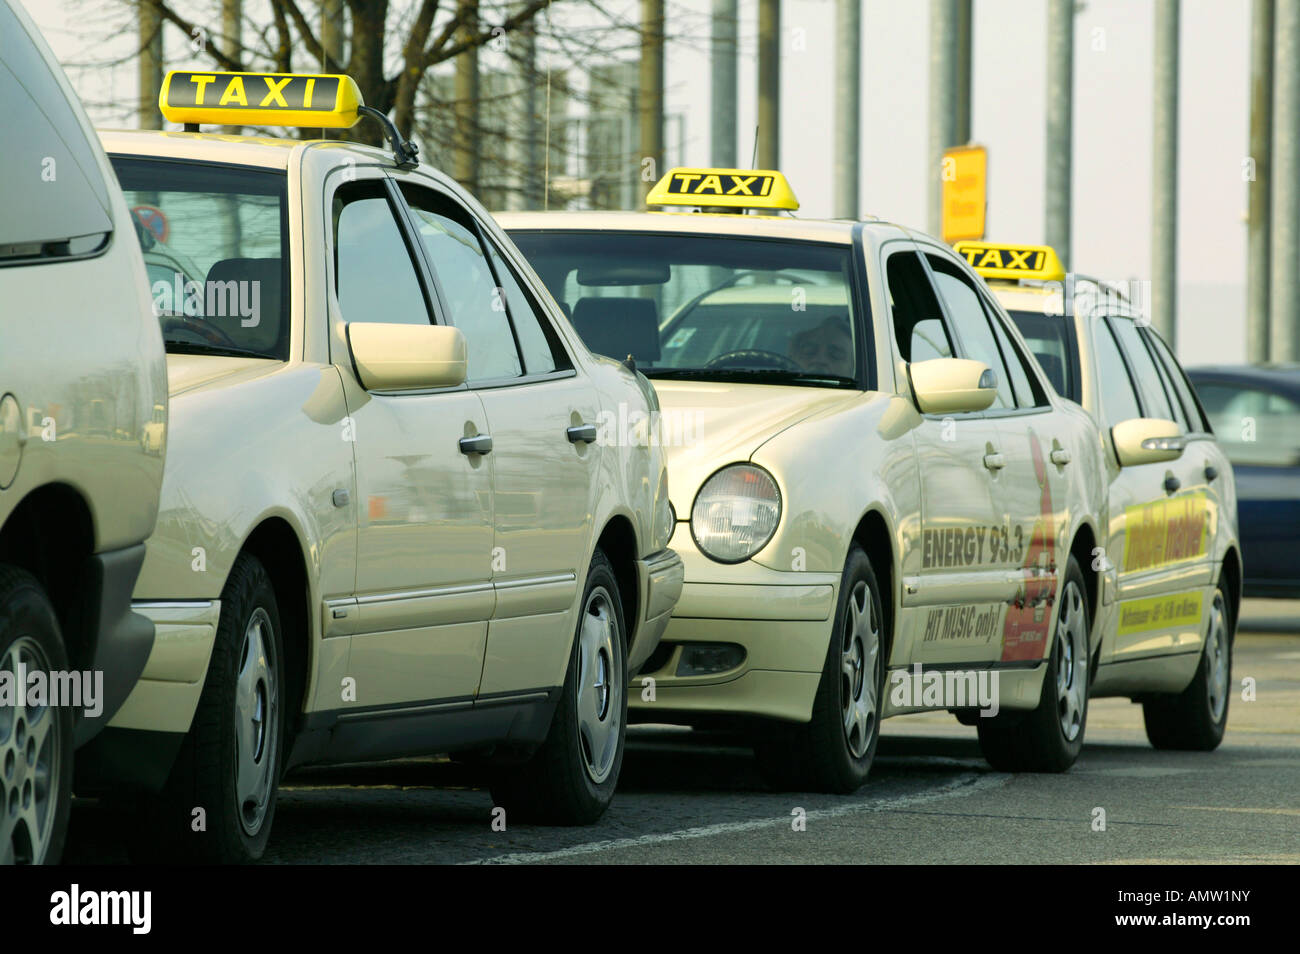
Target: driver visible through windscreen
{"type": "Point", "coordinates": [708, 307]}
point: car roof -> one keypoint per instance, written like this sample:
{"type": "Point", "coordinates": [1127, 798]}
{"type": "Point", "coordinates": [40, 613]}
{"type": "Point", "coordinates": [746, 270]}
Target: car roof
{"type": "Point", "coordinates": [1285, 374]}
{"type": "Point", "coordinates": [837, 231]}
{"type": "Point", "coordinates": [265, 151]}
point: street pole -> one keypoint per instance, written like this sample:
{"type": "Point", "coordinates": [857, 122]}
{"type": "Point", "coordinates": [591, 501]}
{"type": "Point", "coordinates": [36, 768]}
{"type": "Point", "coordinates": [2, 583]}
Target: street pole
{"type": "Point", "coordinates": [1257, 228]}
{"type": "Point", "coordinates": [723, 58]}
{"type": "Point", "coordinates": [1059, 185]}
{"type": "Point", "coordinates": [465, 165]}
{"type": "Point", "coordinates": [1284, 291]}
{"type": "Point", "coordinates": [848, 87]}
{"type": "Point", "coordinates": [961, 127]}
{"type": "Point", "coordinates": [943, 90]}
{"type": "Point", "coordinates": [232, 22]}
{"type": "Point", "coordinates": [532, 171]}
{"type": "Point", "coordinates": [651, 96]}
{"type": "Point", "coordinates": [1164, 175]}
{"type": "Point", "coordinates": [769, 84]}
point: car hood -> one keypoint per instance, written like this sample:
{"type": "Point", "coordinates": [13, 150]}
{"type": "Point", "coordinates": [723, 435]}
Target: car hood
{"type": "Point", "coordinates": [705, 425]}
{"type": "Point", "coordinates": [193, 372]}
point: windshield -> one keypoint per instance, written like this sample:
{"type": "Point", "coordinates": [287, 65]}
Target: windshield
{"type": "Point", "coordinates": [707, 307]}
{"type": "Point", "coordinates": [214, 241]}
{"type": "Point", "coordinates": [1048, 337]}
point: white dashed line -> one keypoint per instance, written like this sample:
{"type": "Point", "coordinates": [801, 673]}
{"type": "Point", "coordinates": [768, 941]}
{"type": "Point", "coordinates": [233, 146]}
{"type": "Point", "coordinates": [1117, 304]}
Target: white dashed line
{"type": "Point", "coordinates": [963, 785]}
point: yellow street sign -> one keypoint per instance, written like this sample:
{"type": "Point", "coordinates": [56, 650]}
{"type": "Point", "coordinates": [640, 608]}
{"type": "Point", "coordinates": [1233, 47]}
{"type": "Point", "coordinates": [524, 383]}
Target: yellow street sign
{"type": "Point", "coordinates": [965, 192]}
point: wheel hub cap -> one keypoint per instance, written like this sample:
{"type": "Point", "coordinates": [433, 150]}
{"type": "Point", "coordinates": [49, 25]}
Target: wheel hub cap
{"type": "Point", "coordinates": [1071, 651]}
{"type": "Point", "coordinates": [31, 746]}
{"type": "Point", "coordinates": [257, 716]}
{"type": "Point", "coordinates": [860, 664]}
{"type": "Point", "coordinates": [600, 692]}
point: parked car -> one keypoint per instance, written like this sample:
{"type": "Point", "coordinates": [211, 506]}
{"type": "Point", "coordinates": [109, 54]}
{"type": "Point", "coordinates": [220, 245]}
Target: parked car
{"type": "Point", "coordinates": [83, 421]}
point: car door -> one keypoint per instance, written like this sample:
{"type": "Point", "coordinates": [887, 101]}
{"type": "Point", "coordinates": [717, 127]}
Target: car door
{"type": "Point", "coordinates": [542, 416]}
{"type": "Point", "coordinates": [1161, 522]}
{"type": "Point", "coordinates": [418, 624]}
{"type": "Point", "coordinates": [954, 599]}
{"type": "Point", "coordinates": [1031, 486]}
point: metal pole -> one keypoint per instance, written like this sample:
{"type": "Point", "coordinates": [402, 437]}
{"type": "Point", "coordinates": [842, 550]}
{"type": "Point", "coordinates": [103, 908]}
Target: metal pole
{"type": "Point", "coordinates": [467, 106]}
{"type": "Point", "coordinates": [651, 95]}
{"type": "Point", "coordinates": [232, 22]}
{"type": "Point", "coordinates": [1257, 229]}
{"type": "Point", "coordinates": [769, 84]}
{"type": "Point", "coordinates": [961, 129]}
{"type": "Point", "coordinates": [151, 56]}
{"type": "Point", "coordinates": [1059, 185]}
{"type": "Point", "coordinates": [848, 87]}
{"type": "Point", "coordinates": [1284, 291]}
{"type": "Point", "coordinates": [943, 90]}
{"type": "Point", "coordinates": [723, 55]}
{"type": "Point", "coordinates": [332, 28]}
{"type": "Point", "coordinates": [1164, 175]}
{"type": "Point", "coordinates": [532, 179]}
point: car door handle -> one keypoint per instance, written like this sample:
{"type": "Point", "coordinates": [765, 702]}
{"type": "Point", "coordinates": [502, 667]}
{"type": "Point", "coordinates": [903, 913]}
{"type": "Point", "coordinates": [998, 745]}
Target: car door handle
{"type": "Point", "coordinates": [478, 444]}
{"type": "Point", "coordinates": [582, 433]}
{"type": "Point", "coordinates": [1060, 457]}
{"type": "Point", "coordinates": [1211, 472]}
{"type": "Point", "coordinates": [994, 461]}
{"type": "Point", "coordinates": [1172, 483]}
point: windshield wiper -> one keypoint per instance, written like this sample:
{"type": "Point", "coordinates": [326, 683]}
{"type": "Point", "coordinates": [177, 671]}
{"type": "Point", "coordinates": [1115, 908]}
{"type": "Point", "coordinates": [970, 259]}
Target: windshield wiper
{"type": "Point", "coordinates": [175, 346]}
{"type": "Point", "coordinates": [767, 375]}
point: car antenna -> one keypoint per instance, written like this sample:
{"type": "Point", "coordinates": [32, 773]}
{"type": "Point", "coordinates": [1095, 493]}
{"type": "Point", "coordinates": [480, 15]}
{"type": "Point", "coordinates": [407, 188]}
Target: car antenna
{"type": "Point", "coordinates": [404, 151]}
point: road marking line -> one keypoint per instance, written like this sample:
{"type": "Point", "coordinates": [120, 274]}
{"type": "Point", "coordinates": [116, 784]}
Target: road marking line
{"type": "Point", "coordinates": [968, 784]}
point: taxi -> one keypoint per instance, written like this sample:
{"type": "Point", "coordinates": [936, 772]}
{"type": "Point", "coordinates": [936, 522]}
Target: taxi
{"type": "Point", "coordinates": [1171, 562]}
{"type": "Point", "coordinates": [390, 525]}
{"type": "Point", "coordinates": [881, 502]}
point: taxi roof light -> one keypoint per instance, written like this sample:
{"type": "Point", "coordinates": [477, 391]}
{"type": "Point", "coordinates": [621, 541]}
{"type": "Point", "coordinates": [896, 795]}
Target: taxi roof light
{"type": "Point", "coordinates": [724, 188]}
{"type": "Point", "coordinates": [309, 100]}
{"type": "Point", "coordinates": [997, 260]}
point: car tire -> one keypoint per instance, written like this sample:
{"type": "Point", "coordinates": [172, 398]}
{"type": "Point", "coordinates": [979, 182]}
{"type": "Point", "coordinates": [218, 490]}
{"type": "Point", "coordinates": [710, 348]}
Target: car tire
{"type": "Point", "coordinates": [231, 760]}
{"type": "Point", "coordinates": [833, 752]}
{"type": "Point", "coordinates": [570, 779]}
{"type": "Point", "coordinates": [35, 741]}
{"type": "Point", "coordinates": [1194, 720]}
{"type": "Point", "coordinates": [1050, 738]}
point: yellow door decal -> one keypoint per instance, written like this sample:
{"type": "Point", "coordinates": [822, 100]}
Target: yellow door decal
{"type": "Point", "coordinates": [1159, 612]}
{"type": "Point", "coordinates": [1165, 531]}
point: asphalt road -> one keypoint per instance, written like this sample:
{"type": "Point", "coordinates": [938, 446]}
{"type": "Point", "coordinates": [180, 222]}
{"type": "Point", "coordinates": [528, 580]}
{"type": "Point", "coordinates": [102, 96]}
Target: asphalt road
{"type": "Point", "coordinates": [691, 798]}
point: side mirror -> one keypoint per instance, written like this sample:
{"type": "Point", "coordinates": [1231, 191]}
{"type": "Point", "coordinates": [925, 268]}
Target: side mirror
{"type": "Point", "coordinates": [1147, 440]}
{"type": "Point", "coordinates": [952, 385]}
{"type": "Point", "coordinates": [397, 357]}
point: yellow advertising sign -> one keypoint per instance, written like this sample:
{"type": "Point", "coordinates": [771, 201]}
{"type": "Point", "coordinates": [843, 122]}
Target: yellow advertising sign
{"type": "Point", "coordinates": [965, 192]}
{"type": "Point", "coordinates": [1159, 612]}
{"type": "Point", "coordinates": [1166, 531]}
{"type": "Point", "coordinates": [260, 99]}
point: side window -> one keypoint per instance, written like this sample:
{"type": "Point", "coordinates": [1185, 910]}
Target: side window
{"type": "Point", "coordinates": [1254, 428]}
{"type": "Point", "coordinates": [473, 301]}
{"type": "Point", "coordinates": [1182, 387]}
{"type": "Point", "coordinates": [1118, 399]}
{"type": "Point", "coordinates": [1154, 398]}
{"type": "Point", "coordinates": [1029, 393]}
{"type": "Point", "coordinates": [972, 325]}
{"type": "Point", "coordinates": [537, 342]}
{"type": "Point", "coordinates": [918, 321]}
{"type": "Point", "coordinates": [374, 276]}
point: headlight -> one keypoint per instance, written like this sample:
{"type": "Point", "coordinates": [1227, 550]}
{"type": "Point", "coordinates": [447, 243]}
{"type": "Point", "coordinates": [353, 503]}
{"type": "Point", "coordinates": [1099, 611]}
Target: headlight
{"type": "Point", "coordinates": [735, 513]}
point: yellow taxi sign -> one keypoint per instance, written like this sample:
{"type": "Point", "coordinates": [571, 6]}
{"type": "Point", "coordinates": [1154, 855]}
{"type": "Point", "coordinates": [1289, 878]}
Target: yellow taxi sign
{"type": "Point", "coordinates": [994, 260]}
{"type": "Point", "coordinates": [260, 99]}
{"type": "Point", "coordinates": [724, 188]}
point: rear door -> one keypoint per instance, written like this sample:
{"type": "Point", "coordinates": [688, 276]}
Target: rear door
{"type": "Point", "coordinates": [541, 418]}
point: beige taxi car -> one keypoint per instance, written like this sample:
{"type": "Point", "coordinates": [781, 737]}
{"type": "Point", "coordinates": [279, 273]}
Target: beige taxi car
{"type": "Point", "coordinates": [1171, 560]}
{"type": "Point", "coordinates": [392, 523]}
{"type": "Point", "coordinates": [83, 423]}
{"type": "Point", "coordinates": [882, 504]}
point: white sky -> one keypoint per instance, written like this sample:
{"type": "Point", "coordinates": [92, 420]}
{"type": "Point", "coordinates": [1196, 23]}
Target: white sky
{"type": "Point", "coordinates": [1112, 114]}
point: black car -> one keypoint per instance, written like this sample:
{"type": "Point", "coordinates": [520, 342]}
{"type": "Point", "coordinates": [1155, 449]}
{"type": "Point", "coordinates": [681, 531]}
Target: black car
{"type": "Point", "coordinates": [1255, 413]}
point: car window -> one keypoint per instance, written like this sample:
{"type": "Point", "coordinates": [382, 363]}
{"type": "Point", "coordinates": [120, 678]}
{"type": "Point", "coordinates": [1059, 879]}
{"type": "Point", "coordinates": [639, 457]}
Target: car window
{"type": "Point", "coordinates": [474, 302]}
{"type": "Point", "coordinates": [707, 307]}
{"type": "Point", "coordinates": [1175, 403]}
{"type": "Point", "coordinates": [1182, 386]}
{"type": "Point", "coordinates": [1254, 427]}
{"type": "Point", "coordinates": [918, 321]}
{"type": "Point", "coordinates": [1154, 398]}
{"type": "Point", "coordinates": [374, 275]}
{"type": "Point", "coordinates": [1118, 399]}
{"type": "Point", "coordinates": [1049, 339]}
{"type": "Point", "coordinates": [56, 202]}
{"type": "Point", "coordinates": [541, 350]}
{"type": "Point", "coordinates": [214, 240]}
{"type": "Point", "coordinates": [972, 325]}
{"type": "Point", "coordinates": [1029, 392]}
